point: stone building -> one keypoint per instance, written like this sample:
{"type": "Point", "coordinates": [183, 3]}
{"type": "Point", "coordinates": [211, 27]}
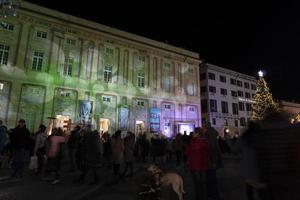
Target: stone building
{"type": "Point", "coordinates": [226, 98]}
{"type": "Point", "coordinates": [52, 64]}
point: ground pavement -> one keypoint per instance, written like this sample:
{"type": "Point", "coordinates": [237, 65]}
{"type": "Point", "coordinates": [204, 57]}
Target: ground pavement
{"type": "Point", "coordinates": [111, 188]}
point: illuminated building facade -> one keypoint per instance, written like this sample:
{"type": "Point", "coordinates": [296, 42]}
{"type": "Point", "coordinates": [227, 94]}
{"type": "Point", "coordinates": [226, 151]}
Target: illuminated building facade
{"type": "Point", "coordinates": [56, 65]}
{"type": "Point", "coordinates": [226, 98]}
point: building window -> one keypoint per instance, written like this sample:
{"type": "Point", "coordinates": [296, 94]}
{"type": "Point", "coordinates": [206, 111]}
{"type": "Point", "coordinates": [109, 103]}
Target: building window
{"type": "Point", "coordinates": [214, 121]}
{"type": "Point", "coordinates": [191, 71]}
{"type": "Point", "coordinates": [247, 95]}
{"type": "Point", "coordinates": [232, 81]}
{"type": "Point", "coordinates": [253, 86]}
{"type": "Point", "coordinates": [248, 107]}
{"type": "Point", "coordinates": [106, 99]}
{"type": "Point", "coordinates": [253, 95]}
{"type": "Point", "coordinates": [223, 79]}
{"type": "Point", "coordinates": [224, 106]}
{"type": "Point", "coordinates": [107, 73]}
{"type": "Point", "coordinates": [41, 34]}
{"type": "Point", "coordinates": [71, 41]}
{"type": "Point", "coordinates": [202, 76]}
{"type": "Point", "coordinates": [204, 105]}
{"type": "Point", "coordinates": [141, 80]}
{"type": "Point", "coordinates": [235, 109]}
{"type": "Point", "coordinates": [140, 103]}
{"type": "Point", "coordinates": [236, 123]}
{"type": "Point", "coordinates": [7, 26]}
{"type": "Point", "coordinates": [243, 121]}
{"type": "Point", "coordinates": [68, 65]}
{"type": "Point", "coordinates": [239, 83]}
{"type": "Point", "coordinates": [212, 89]}
{"type": "Point", "coordinates": [241, 106]}
{"type": "Point", "coordinates": [211, 76]}
{"type": "Point", "coordinates": [192, 109]}
{"type": "Point", "coordinates": [223, 91]}
{"type": "Point", "coordinates": [246, 85]}
{"type": "Point", "coordinates": [1, 86]}
{"type": "Point", "coordinates": [168, 106]}
{"type": "Point", "coordinates": [109, 51]}
{"type": "Point", "coordinates": [4, 50]}
{"type": "Point", "coordinates": [213, 105]}
{"type": "Point", "coordinates": [240, 94]}
{"type": "Point", "coordinates": [37, 60]}
{"type": "Point", "coordinates": [203, 89]}
{"type": "Point", "coordinates": [233, 93]}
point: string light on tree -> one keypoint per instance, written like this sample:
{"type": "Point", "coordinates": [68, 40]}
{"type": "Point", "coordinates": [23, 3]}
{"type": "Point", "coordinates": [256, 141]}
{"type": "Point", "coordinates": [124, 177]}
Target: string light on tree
{"type": "Point", "coordinates": [263, 100]}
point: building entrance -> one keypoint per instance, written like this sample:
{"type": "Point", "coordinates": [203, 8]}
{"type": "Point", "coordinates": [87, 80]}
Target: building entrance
{"type": "Point", "coordinates": [139, 127]}
{"type": "Point", "coordinates": [104, 125]}
{"type": "Point", "coordinates": [63, 121]}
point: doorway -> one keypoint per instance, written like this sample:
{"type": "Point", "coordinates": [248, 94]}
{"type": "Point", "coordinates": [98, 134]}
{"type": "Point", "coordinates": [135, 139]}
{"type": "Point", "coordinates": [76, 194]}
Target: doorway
{"type": "Point", "coordinates": [139, 127]}
{"type": "Point", "coordinates": [63, 121]}
{"type": "Point", "coordinates": [104, 125]}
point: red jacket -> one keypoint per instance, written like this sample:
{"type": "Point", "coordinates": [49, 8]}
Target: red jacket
{"type": "Point", "coordinates": [197, 153]}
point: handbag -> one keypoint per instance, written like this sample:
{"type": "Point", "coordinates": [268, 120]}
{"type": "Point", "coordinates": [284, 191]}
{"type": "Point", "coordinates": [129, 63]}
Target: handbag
{"type": "Point", "coordinates": [33, 164]}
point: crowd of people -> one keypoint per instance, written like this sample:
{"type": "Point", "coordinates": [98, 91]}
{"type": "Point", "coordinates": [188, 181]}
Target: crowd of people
{"type": "Point", "coordinates": [199, 151]}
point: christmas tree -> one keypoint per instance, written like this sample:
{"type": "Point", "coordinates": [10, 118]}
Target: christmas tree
{"type": "Point", "coordinates": [263, 100]}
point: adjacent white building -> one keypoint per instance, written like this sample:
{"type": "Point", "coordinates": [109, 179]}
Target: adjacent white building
{"type": "Point", "coordinates": [226, 97]}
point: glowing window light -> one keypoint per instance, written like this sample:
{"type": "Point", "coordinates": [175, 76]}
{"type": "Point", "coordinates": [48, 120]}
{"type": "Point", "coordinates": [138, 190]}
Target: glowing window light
{"type": "Point", "coordinates": [1, 86]}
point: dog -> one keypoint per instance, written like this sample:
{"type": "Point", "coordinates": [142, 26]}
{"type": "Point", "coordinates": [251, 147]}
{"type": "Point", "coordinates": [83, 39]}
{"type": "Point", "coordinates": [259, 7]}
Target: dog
{"type": "Point", "coordinates": [166, 179]}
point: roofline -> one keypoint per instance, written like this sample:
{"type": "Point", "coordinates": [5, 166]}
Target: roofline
{"type": "Point", "coordinates": [231, 72]}
{"type": "Point", "coordinates": [105, 29]}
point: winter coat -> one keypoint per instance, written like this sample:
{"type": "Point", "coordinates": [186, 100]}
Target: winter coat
{"type": "Point", "coordinates": [91, 146]}
{"type": "Point", "coordinates": [117, 148]}
{"type": "Point", "coordinates": [129, 145]}
{"type": "Point", "coordinates": [20, 137]}
{"type": "Point", "coordinates": [197, 153]}
{"type": "Point", "coordinates": [215, 158]}
{"type": "Point", "coordinates": [3, 137]}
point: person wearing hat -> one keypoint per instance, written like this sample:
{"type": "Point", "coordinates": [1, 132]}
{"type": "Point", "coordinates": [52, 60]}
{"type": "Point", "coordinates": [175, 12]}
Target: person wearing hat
{"type": "Point", "coordinates": [19, 138]}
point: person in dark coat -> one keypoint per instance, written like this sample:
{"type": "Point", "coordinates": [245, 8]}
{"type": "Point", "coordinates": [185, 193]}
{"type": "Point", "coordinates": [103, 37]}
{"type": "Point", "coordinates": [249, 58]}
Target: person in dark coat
{"type": "Point", "coordinates": [19, 139]}
{"type": "Point", "coordinates": [73, 143]}
{"type": "Point", "coordinates": [215, 161]}
{"type": "Point", "coordinates": [90, 154]}
{"type": "Point", "coordinates": [129, 143]}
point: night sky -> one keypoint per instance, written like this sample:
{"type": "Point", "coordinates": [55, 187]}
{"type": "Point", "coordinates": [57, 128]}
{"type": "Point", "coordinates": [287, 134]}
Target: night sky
{"type": "Point", "coordinates": [240, 36]}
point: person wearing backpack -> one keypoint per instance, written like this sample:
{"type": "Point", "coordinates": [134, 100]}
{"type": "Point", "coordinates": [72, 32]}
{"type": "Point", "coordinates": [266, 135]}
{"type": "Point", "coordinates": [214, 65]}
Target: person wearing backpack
{"type": "Point", "coordinates": [40, 147]}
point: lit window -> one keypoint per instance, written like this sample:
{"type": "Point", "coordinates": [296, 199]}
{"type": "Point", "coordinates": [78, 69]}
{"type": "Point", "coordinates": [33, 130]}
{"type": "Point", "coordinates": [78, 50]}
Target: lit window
{"type": "Point", "coordinates": [37, 60]}
{"type": "Point", "coordinates": [1, 86]}
{"type": "Point", "coordinates": [7, 26]}
{"type": "Point", "coordinates": [107, 73]}
{"type": "Point", "coordinates": [4, 49]}
{"type": "Point", "coordinates": [141, 80]}
{"type": "Point", "coordinates": [68, 65]}
{"type": "Point", "coordinates": [41, 34]}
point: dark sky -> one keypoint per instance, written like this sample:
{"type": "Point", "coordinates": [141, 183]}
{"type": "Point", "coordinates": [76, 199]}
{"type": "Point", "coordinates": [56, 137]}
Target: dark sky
{"type": "Point", "coordinates": [240, 36]}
